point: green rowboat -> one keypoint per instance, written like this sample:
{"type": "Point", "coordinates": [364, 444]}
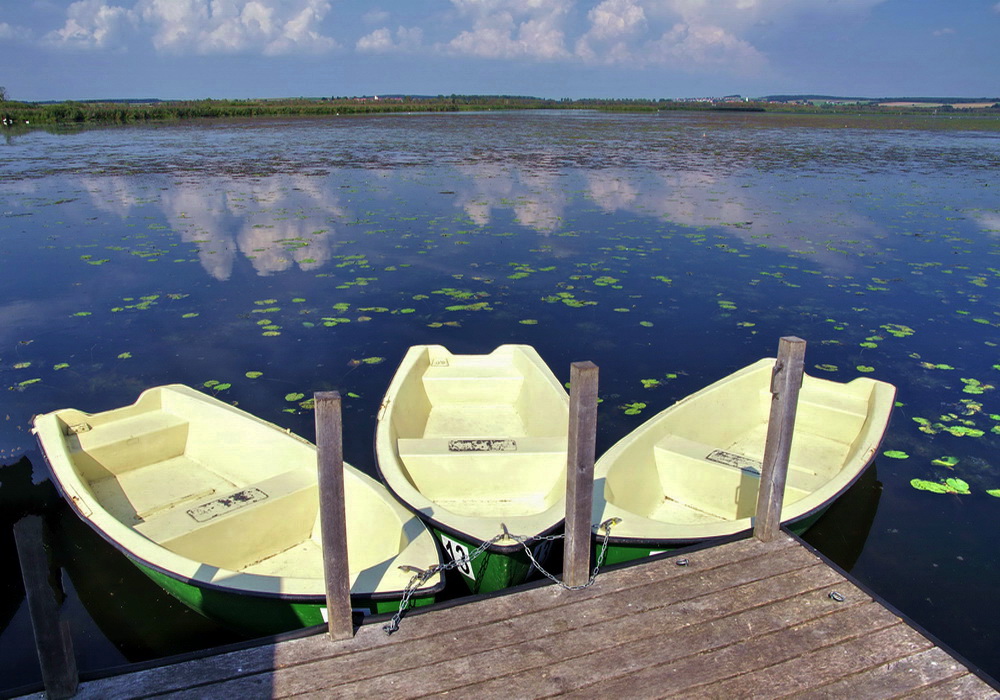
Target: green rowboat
{"type": "Point", "coordinates": [691, 473]}
{"type": "Point", "coordinates": [474, 444]}
{"type": "Point", "coordinates": [222, 509]}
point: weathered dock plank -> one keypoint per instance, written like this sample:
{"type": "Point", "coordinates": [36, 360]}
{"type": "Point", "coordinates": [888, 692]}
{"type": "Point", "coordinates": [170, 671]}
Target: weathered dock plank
{"type": "Point", "coordinates": [746, 619]}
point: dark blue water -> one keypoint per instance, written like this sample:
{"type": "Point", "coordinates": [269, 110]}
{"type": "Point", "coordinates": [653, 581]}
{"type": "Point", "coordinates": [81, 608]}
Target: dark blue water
{"type": "Point", "coordinates": [670, 248]}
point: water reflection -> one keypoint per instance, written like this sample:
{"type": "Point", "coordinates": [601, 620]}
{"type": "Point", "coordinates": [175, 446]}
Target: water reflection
{"type": "Point", "coordinates": [272, 222]}
{"type": "Point", "coordinates": [283, 222]}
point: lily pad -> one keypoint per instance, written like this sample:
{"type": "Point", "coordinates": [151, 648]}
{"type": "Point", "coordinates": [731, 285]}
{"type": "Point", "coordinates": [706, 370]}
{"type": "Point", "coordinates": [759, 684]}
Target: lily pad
{"type": "Point", "coordinates": [294, 396]}
{"type": "Point", "coordinates": [956, 486]}
{"type": "Point", "coordinates": [254, 375]}
{"type": "Point", "coordinates": [896, 454]}
{"type": "Point", "coordinates": [947, 461]}
{"type": "Point", "coordinates": [994, 492]}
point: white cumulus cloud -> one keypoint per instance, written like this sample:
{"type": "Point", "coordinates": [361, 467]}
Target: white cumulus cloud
{"type": "Point", "coordinates": [235, 26]}
{"type": "Point", "coordinates": [512, 29]}
{"type": "Point", "coordinates": [91, 24]}
{"type": "Point", "coordinates": [383, 41]}
{"type": "Point", "coordinates": [200, 26]}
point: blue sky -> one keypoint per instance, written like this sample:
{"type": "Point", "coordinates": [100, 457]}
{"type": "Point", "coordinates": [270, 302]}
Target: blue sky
{"type": "Point", "coordinates": [63, 49]}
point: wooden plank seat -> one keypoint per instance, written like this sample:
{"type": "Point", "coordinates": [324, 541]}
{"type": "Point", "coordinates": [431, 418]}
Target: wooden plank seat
{"type": "Point", "coordinates": [241, 527]}
{"type": "Point", "coordinates": [510, 475]}
{"type": "Point", "coordinates": [123, 444]}
{"type": "Point", "coordinates": [719, 482]}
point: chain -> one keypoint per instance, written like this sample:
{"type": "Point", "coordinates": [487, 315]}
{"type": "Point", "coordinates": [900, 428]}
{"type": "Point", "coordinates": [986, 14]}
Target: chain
{"type": "Point", "coordinates": [421, 576]}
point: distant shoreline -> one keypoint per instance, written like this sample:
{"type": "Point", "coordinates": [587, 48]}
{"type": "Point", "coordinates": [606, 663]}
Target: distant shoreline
{"type": "Point", "coordinates": [27, 114]}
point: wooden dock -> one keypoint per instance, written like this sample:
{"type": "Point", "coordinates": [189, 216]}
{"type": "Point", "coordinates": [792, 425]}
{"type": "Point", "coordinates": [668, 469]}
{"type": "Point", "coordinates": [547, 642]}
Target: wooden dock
{"type": "Point", "coordinates": [745, 619]}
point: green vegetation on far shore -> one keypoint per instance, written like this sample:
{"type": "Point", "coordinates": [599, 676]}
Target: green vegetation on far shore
{"type": "Point", "coordinates": [20, 114]}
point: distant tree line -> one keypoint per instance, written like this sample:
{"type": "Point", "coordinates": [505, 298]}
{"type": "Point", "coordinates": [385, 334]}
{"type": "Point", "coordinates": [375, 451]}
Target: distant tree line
{"type": "Point", "coordinates": [128, 111]}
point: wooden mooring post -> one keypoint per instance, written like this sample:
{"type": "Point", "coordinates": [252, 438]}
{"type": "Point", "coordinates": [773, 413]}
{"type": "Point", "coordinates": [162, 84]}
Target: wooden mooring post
{"type": "Point", "coordinates": [333, 513]}
{"type": "Point", "coordinates": [786, 380]}
{"type": "Point", "coordinates": [53, 642]}
{"type": "Point", "coordinates": [580, 471]}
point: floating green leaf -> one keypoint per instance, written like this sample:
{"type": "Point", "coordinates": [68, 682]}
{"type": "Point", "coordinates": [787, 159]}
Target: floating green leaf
{"type": "Point", "coordinates": [22, 365]}
{"type": "Point", "coordinates": [994, 492]}
{"type": "Point", "coordinates": [27, 382]}
{"type": "Point", "coordinates": [897, 330]}
{"type": "Point", "coordinates": [253, 374]}
{"type": "Point", "coordinates": [634, 408]}
{"type": "Point", "coordinates": [61, 365]}
{"type": "Point", "coordinates": [827, 367]}
{"type": "Point", "coordinates": [957, 485]}
{"type": "Point", "coordinates": [932, 486]}
{"type": "Point", "coordinates": [974, 386]}
{"type": "Point", "coordinates": [210, 383]}
{"type": "Point", "coordinates": [947, 461]}
{"type": "Point", "coordinates": [963, 431]}
{"type": "Point", "coordinates": [865, 368]}
{"type": "Point", "coordinates": [478, 306]}
{"type": "Point", "coordinates": [294, 396]}
{"type": "Point", "coordinates": [528, 322]}
{"type": "Point", "coordinates": [650, 383]}
{"type": "Point", "coordinates": [124, 355]}
{"type": "Point", "coordinates": [191, 314]}
{"type": "Point", "coordinates": [372, 360]}
{"type": "Point", "coordinates": [896, 454]}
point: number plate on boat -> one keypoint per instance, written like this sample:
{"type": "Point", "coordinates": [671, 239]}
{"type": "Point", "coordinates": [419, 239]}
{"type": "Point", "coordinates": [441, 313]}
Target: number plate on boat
{"type": "Point", "coordinates": [226, 504]}
{"type": "Point", "coordinates": [732, 459]}
{"type": "Point", "coordinates": [488, 445]}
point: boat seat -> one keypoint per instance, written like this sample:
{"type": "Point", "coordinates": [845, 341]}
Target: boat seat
{"type": "Point", "coordinates": [126, 443]}
{"type": "Point", "coordinates": [799, 477]}
{"type": "Point", "coordinates": [718, 482]}
{"type": "Point", "coordinates": [241, 527]}
{"type": "Point", "coordinates": [488, 468]}
{"type": "Point", "coordinates": [520, 445]}
{"type": "Point", "coordinates": [472, 383]}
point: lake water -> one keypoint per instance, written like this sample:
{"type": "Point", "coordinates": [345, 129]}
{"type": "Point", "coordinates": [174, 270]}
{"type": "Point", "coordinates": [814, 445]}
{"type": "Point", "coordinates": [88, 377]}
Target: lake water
{"type": "Point", "coordinates": [668, 249]}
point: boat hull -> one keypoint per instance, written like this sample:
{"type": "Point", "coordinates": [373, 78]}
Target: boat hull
{"type": "Point", "coordinates": [260, 615]}
{"type": "Point", "coordinates": [496, 567]}
{"type": "Point", "coordinates": [622, 550]}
